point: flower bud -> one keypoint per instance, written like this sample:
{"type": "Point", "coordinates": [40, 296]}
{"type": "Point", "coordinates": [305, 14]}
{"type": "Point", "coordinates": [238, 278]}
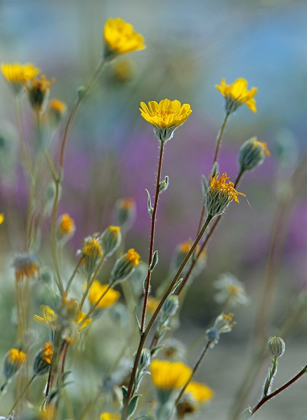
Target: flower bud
{"type": "Point", "coordinates": [92, 253]}
{"type": "Point", "coordinates": [26, 266]}
{"type": "Point", "coordinates": [170, 306]}
{"type": "Point", "coordinates": [66, 228]}
{"type": "Point", "coordinates": [42, 360]}
{"type": "Point", "coordinates": [38, 92]}
{"type": "Point", "coordinates": [111, 239]}
{"type": "Point", "coordinates": [144, 359]}
{"type": "Point", "coordinates": [125, 212]}
{"type": "Point", "coordinates": [13, 361]}
{"type": "Point", "coordinates": [125, 266]}
{"type": "Point", "coordinates": [276, 346]}
{"type": "Point", "coordinates": [252, 154]}
{"type": "Point", "coordinates": [56, 112]}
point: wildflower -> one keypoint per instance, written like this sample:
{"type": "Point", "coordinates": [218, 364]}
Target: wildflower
{"type": "Point", "coordinates": [252, 154]}
{"type": "Point", "coordinates": [66, 227]}
{"type": "Point", "coordinates": [120, 38]}
{"type": "Point", "coordinates": [56, 112]}
{"type": "Point", "coordinates": [166, 116]}
{"type": "Point", "coordinates": [42, 360]}
{"type": "Point", "coordinates": [17, 75]}
{"type": "Point", "coordinates": [49, 317]}
{"type": "Point", "coordinates": [92, 252]}
{"type": "Point", "coordinates": [125, 266]}
{"type": "Point", "coordinates": [13, 361]}
{"type": "Point", "coordinates": [109, 416]}
{"type": "Point", "coordinates": [152, 304]}
{"type": "Point", "coordinates": [1, 218]}
{"type": "Point", "coordinates": [237, 95]}
{"type": "Point", "coordinates": [169, 375]}
{"type": "Point", "coordinates": [111, 239]}
{"type": "Point", "coordinates": [123, 71]}
{"type": "Point", "coordinates": [276, 346]}
{"type": "Point", "coordinates": [222, 324]}
{"type": "Point", "coordinates": [38, 92]}
{"type": "Point", "coordinates": [231, 289]}
{"type": "Point", "coordinates": [220, 194]}
{"type": "Point", "coordinates": [199, 392]}
{"type": "Point", "coordinates": [125, 212]}
{"type": "Point", "coordinates": [97, 290]}
{"type": "Point", "coordinates": [181, 252]}
{"type": "Point", "coordinates": [26, 267]}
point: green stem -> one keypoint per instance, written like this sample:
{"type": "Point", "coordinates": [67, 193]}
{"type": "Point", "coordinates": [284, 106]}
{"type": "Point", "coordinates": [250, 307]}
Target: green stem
{"type": "Point", "coordinates": [152, 237]}
{"type": "Point", "coordinates": [270, 378]}
{"type": "Point", "coordinates": [73, 275]}
{"type": "Point", "coordinates": [155, 315]}
{"type": "Point", "coordinates": [220, 137]}
{"type": "Point", "coordinates": [22, 394]}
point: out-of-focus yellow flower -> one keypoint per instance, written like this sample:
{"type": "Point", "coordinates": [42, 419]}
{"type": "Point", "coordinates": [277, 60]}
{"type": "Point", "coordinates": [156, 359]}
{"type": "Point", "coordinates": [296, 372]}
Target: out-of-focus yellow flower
{"type": "Point", "coordinates": [12, 362]}
{"type": "Point", "coordinates": [38, 92]}
{"type": "Point", "coordinates": [125, 212]}
{"type": "Point", "coordinates": [200, 392]}
{"type": "Point", "coordinates": [92, 252]}
{"type": "Point", "coordinates": [237, 94]}
{"type": "Point", "coordinates": [42, 360]}
{"type": "Point", "coordinates": [56, 112]}
{"type": "Point", "coordinates": [109, 416]}
{"type": "Point", "coordinates": [169, 375]}
{"type": "Point", "coordinates": [123, 71]}
{"type": "Point", "coordinates": [48, 318]}
{"type": "Point", "coordinates": [17, 74]}
{"type": "Point", "coordinates": [97, 290]}
{"type": "Point", "coordinates": [1, 218]}
{"type": "Point", "coordinates": [26, 267]}
{"type": "Point", "coordinates": [66, 227]}
{"type": "Point", "coordinates": [120, 38]}
{"type": "Point", "coordinates": [152, 304]}
{"type": "Point", "coordinates": [166, 116]}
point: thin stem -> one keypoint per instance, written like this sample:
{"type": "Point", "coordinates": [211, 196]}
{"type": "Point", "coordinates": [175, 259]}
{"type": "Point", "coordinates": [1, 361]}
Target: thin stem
{"type": "Point", "coordinates": [24, 150]}
{"type": "Point", "coordinates": [196, 366]}
{"type": "Point", "coordinates": [220, 137]}
{"type": "Point", "coordinates": [54, 237]}
{"type": "Point", "coordinates": [279, 390]}
{"type": "Point", "coordinates": [91, 281]}
{"type": "Point", "coordinates": [22, 394]}
{"type": "Point", "coordinates": [73, 275]}
{"type": "Point", "coordinates": [204, 244]}
{"type": "Point", "coordinates": [270, 378]}
{"type": "Point", "coordinates": [152, 237]}
{"type": "Point", "coordinates": [155, 315]}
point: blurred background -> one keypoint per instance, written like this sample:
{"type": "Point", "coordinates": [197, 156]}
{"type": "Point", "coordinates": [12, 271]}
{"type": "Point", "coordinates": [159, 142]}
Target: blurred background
{"type": "Point", "coordinates": [112, 153]}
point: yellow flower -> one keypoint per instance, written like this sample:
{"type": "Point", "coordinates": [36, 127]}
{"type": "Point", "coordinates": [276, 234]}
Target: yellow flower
{"type": "Point", "coordinates": [38, 91]}
{"type": "Point", "coordinates": [48, 318]}
{"type": "Point", "coordinates": [18, 74]}
{"type": "Point", "coordinates": [26, 266]}
{"type": "Point", "coordinates": [47, 352]}
{"type": "Point", "coordinates": [1, 218]}
{"type": "Point", "coordinates": [166, 116]}
{"type": "Point", "coordinates": [56, 111]}
{"type": "Point", "coordinates": [66, 226]}
{"type": "Point", "coordinates": [224, 185]}
{"type": "Point", "coordinates": [152, 304]}
{"type": "Point", "coordinates": [133, 257]}
{"type": "Point", "coordinates": [200, 392]}
{"type": "Point", "coordinates": [12, 362]}
{"type": "Point", "coordinates": [120, 38]}
{"type": "Point", "coordinates": [237, 95]}
{"type": "Point", "coordinates": [97, 290]}
{"type": "Point", "coordinates": [109, 416]}
{"type": "Point", "coordinates": [92, 252]}
{"type": "Point", "coordinates": [261, 144]}
{"type": "Point", "coordinates": [169, 375]}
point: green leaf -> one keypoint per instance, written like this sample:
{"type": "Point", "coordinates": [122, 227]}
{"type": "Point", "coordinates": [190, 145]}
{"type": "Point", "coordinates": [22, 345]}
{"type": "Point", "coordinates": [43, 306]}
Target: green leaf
{"type": "Point", "coordinates": [149, 206]}
{"type": "Point", "coordinates": [137, 320]}
{"type": "Point", "coordinates": [204, 184]}
{"type": "Point", "coordinates": [133, 404]}
{"type": "Point", "coordinates": [154, 261]}
{"type": "Point", "coordinates": [164, 184]}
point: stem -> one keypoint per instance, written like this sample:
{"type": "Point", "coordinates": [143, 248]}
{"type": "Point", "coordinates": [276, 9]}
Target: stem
{"type": "Point", "coordinates": [22, 394]}
{"type": "Point", "coordinates": [74, 112]}
{"type": "Point", "coordinates": [155, 315]}
{"type": "Point", "coordinates": [220, 137]}
{"type": "Point", "coordinates": [24, 150]}
{"type": "Point", "coordinates": [73, 275]}
{"type": "Point", "coordinates": [270, 378]}
{"type": "Point", "coordinates": [91, 281]}
{"type": "Point", "coordinates": [196, 366]}
{"type": "Point", "coordinates": [202, 247]}
{"type": "Point", "coordinates": [54, 361]}
{"type": "Point", "coordinates": [152, 236]}
{"type": "Point", "coordinates": [54, 238]}
{"type": "Point", "coordinates": [278, 391]}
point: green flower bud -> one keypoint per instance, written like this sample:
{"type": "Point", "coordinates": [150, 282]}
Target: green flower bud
{"type": "Point", "coordinates": [125, 212]}
{"type": "Point", "coordinates": [125, 266]}
{"type": "Point", "coordinates": [13, 361]}
{"type": "Point", "coordinates": [276, 346]}
{"type": "Point", "coordinates": [252, 154]}
{"type": "Point", "coordinates": [111, 239]}
{"type": "Point", "coordinates": [42, 360]}
{"type": "Point", "coordinates": [170, 306]}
